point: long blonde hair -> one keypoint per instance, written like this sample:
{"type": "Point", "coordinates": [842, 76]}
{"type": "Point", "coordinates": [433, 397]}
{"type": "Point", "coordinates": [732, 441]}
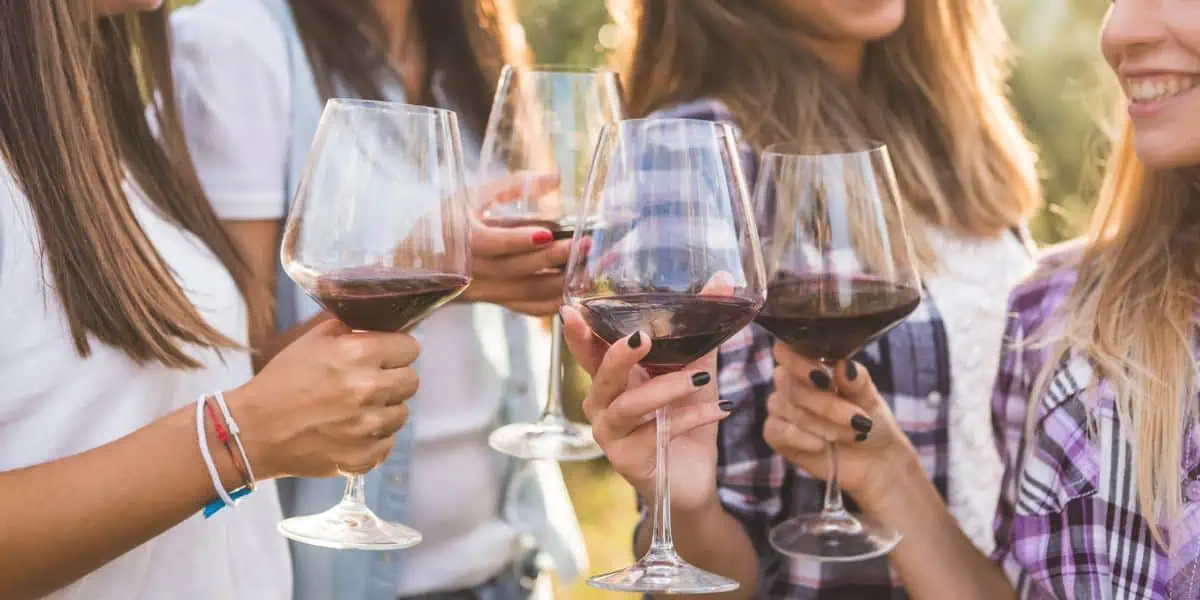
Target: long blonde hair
{"type": "Point", "coordinates": [934, 92]}
{"type": "Point", "coordinates": [1131, 313]}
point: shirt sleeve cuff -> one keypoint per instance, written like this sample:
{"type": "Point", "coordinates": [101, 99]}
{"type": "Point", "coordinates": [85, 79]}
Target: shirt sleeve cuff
{"type": "Point", "coordinates": [248, 206]}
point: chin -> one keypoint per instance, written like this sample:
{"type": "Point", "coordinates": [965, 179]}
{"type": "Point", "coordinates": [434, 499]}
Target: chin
{"type": "Point", "coordinates": [885, 18]}
{"type": "Point", "coordinates": [1167, 150]}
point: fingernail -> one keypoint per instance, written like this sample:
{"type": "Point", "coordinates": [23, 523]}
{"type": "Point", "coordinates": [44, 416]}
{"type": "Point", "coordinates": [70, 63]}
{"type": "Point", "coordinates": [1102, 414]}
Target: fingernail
{"type": "Point", "coordinates": [851, 370]}
{"type": "Point", "coordinates": [862, 437]}
{"type": "Point", "coordinates": [861, 424]}
{"type": "Point", "coordinates": [635, 340]}
{"type": "Point", "coordinates": [701, 379]}
{"type": "Point", "coordinates": [726, 405]}
{"type": "Point", "coordinates": [820, 379]}
{"type": "Point", "coordinates": [543, 237]}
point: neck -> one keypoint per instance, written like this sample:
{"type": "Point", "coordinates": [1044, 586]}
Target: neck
{"type": "Point", "coordinates": [404, 46]}
{"type": "Point", "coordinates": [843, 58]}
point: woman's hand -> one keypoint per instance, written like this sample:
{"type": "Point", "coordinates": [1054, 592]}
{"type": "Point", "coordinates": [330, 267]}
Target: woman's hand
{"type": "Point", "coordinates": [519, 268]}
{"type": "Point", "coordinates": [330, 402]}
{"type": "Point", "coordinates": [805, 414]}
{"type": "Point", "coordinates": [621, 406]}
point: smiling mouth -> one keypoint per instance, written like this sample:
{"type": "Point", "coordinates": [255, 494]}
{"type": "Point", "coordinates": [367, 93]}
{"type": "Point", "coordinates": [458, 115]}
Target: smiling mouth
{"type": "Point", "coordinates": [1159, 88]}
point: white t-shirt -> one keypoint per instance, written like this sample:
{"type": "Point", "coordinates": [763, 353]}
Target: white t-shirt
{"type": "Point", "coordinates": [54, 404]}
{"type": "Point", "coordinates": [234, 89]}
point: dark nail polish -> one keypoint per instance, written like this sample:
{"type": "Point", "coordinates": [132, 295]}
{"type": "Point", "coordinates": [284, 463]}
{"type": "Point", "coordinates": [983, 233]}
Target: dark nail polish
{"type": "Point", "coordinates": [851, 370]}
{"type": "Point", "coordinates": [861, 424]}
{"type": "Point", "coordinates": [635, 340]}
{"type": "Point", "coordinates": [701, 379]}
{"type": "Point", "coordinates": [726, 405]}
{"type": "Point", "coordinates": [862, 437]}
{"type": "Point", "coordinates": [820, 379]}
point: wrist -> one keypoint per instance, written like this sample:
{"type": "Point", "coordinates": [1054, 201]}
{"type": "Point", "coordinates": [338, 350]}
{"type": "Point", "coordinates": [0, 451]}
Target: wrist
{"type": "Point", "coordinates": [254, 439]}
{"type": "Point", "coordinates": [895, 485]}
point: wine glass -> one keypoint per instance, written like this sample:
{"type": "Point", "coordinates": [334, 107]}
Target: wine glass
{"type": "Point", "coordinates": [379, 236]}
{"type": "Point", "coordinates": [545, 122]}
{"type": "Point", "coordinates": [674, 254]}
{"type": "Point", "coordinates": [842, 273]}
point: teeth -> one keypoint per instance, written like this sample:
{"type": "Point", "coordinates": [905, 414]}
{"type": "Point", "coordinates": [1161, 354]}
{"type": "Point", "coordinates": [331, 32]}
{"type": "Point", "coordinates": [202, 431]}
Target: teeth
{"type": "Point", "coordinates": [1156, 89]}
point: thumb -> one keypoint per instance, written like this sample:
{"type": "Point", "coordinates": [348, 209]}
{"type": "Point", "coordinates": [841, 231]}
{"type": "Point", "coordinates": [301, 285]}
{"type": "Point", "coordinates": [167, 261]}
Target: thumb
{"type": "Point", "coordinates": [587, 348]}
{"type": "Point", "coordinates": [854, 383]}
{"type": "Point", "coordinates": [330, 327]}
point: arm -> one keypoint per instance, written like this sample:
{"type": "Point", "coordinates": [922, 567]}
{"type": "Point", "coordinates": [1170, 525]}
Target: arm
{"type": "Point", "coordinates": [336, 399]}
{"type": "Point", "coordinates": [883, 474]}
{"type": "Point", "coordinates": [66, 518]}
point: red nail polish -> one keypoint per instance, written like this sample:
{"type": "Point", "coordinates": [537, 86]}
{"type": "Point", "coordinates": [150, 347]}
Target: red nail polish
{"type": "Point", "coordinates": [543, 237]}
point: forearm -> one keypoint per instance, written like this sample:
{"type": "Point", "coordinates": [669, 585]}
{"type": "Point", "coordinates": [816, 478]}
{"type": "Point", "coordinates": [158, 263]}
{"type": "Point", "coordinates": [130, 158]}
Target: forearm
{"type": "Point", "coordinates": [63, 519]}
{"type": "Point", "coordinates": [934, 558]}
{"type": "Point", "coordinates": [714, 541]}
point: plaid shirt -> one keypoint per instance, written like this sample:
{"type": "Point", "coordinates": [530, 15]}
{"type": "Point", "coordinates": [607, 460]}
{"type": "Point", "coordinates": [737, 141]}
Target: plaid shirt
{"type": "Point", "coordinates": [1068, 524]}
{"type": "Point", "coordinates": [757, 486]}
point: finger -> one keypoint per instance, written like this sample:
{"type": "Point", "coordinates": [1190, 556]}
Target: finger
{"type": "Point", "coordinates": [491, 242]}
{"type": "Point", "coordinates": [587, 348]}
{"type": "Point", "coordinates": [527, 288]}
{"type": "Point", "coordinates": [855, 384]}
{"type": "Point", "coordinates": [720, 284]}
{"type": "Point", "coordinates": [514, 187]}
{"type": "Point", "coordinates": [329, 328]}
{"type": "Point", "coordinates": [632, 408]}
{"type": "Point", "coordinates": [799, 366]}
{"type": "Point", "coordinates": [785, 438]}
{"type": "Point", "coordinates": [526, 263]}
{"type": "Point", "coordinates": [612, 376]}
{"type": "Point", "coordinates": [846, 418]}
{"type": "Point", "coordinates": [398, 385]}
{"type": "Point", "coordinates": [387, 350]}
{"type": "Point", "coordinates": [545, 308]}
{"type": "Point", "coordinates": [389, 420]}
{"type": "Point", "coordinates": [687, 419]}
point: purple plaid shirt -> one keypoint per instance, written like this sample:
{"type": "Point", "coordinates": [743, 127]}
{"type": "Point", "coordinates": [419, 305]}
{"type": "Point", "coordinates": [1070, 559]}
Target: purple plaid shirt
{"type": "Point", "coordinates": [1068, 525]}
{"type": "Point", "coordinates": [757, 486]}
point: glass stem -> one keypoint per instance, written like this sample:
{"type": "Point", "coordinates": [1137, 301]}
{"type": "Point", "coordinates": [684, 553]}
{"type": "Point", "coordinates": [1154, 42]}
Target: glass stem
{"type": "Point", "coordinates": [356, 491]}
{"type": "Point", "coordinates": [662, 546]}
{"type": "Point", "coordinates": [554, 407]}
{"type": "Point", "coordinates": [833, 493]}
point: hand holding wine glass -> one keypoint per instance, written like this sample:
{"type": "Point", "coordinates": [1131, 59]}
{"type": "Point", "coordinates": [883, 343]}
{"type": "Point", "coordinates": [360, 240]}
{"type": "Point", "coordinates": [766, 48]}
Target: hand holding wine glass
{"type": "Point", "coordinates": [518, 265]}
{"type": "Point", "coordinates": [379, 235]}
{"type": "Point", "coordinates": [842, 273]}
{"type": "Point", "coordinates": [544, 122]}
{"type": "Point", "coordinates": [805, 414]}
{"type": "Point", "coordinates": [672, 269]}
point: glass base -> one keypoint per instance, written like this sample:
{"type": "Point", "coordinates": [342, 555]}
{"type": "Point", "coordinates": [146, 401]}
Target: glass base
{"type": "Point", "coordinates": [833, 537]}
{"type": "Point", "coordinates": [670, 575]}
{"type": "Point", "coordinates": [546, 440]}
{"type": "Point", "coordinates": [349, 525]}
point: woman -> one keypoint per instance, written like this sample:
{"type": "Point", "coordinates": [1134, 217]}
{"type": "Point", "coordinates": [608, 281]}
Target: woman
{"type": "Point", "coordinates": [124, 307]}
{"type": "Point", "coordinates": [1094, 406]}
{"type": "Point", "coordinates": [254, 75]}
{"type": "Point", "coordinates": [927, 78]}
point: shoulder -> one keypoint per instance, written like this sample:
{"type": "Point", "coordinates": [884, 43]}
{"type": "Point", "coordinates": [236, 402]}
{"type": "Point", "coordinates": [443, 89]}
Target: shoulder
{"type": "Point", "coordinates": [228, 30]}
{"type": "Point", "coordinates": [1034, 302]}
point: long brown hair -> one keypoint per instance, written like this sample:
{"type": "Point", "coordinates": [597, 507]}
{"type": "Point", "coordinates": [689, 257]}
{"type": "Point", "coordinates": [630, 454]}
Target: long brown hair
{"type": "Point", "coordinates": [466, 41]}
{"type": "Point", "coordinates": [1132, 314]}
{"type": "Point", "coordinates": [934, 92]}
{"type": "Point", "coordinates": [73, 120]}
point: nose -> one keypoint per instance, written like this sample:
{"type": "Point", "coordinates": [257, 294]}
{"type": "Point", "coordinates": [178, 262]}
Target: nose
{"type": "Point", "coordinates": [1132, 24]}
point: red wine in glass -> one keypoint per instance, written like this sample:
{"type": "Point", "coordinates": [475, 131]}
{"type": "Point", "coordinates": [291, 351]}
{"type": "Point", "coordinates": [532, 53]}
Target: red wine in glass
{"type": "Point", "coordinates": [380, 299]}
{"type": "Point", "coordinates": [683, 327]}
{"type": "Point", "coordinates": [829, 318]}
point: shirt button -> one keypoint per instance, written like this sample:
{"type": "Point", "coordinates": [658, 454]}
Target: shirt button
{"type": "Point", "coordinates": [934, 398]}
{"type": "Point", "coordinates": [1193, 491]}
